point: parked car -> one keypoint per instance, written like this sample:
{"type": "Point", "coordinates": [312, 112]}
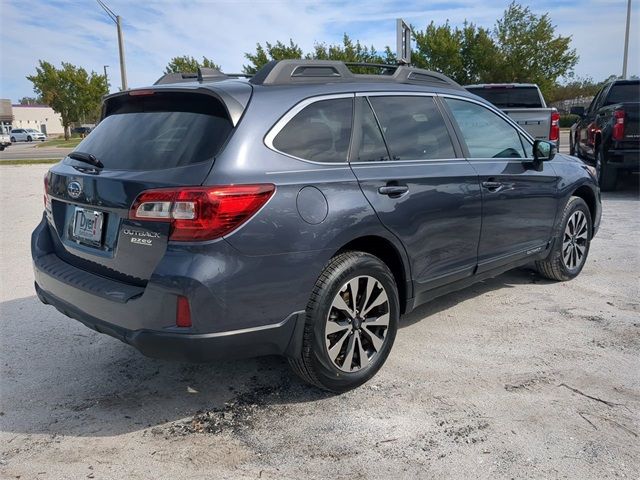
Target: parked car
{"type": "Point", "coordinates": [81, 130]}
{"type": "Point", "coordinates": [5, 140]}
{"type": "Point", "coordinates": [26, 135]}
{"type": "Point", "coordinates": [525, 104]}
{"type": "Point", "coordinates": [319, 206]}
{"type": "Point", "coordinates": [608, 133]}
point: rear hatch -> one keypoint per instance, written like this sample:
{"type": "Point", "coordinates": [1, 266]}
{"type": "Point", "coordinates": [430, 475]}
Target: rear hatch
{"type": "Point", "coordinates": [147, 139]}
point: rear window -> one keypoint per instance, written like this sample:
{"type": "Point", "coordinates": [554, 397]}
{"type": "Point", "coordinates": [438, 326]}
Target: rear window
{"type": "Point", "coordinates": [320, 132]}
{"type": "Point", "coordinates": [164, 130]}
{"type": "Point", "coordinates": [623, 92]}
{"type": "Point", "coordinates": [509, 97]}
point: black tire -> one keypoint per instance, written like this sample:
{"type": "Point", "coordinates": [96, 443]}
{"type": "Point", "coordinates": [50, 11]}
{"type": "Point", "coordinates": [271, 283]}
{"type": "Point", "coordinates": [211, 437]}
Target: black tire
{"type": "Point", "coordinates": [572, 145]}
{"type": "Point", "coordinates": [1, 149]}
{"type": "Point", "coordinates": [29, 139]}
{"type": "Point", "coordinates": [555, 266]}
{"type": "Point", "coordinates": [607, 175]}
{"type": "Point", "coordinates": [314, 365]}
{"type": "Point", "coordinates": [13, 139]}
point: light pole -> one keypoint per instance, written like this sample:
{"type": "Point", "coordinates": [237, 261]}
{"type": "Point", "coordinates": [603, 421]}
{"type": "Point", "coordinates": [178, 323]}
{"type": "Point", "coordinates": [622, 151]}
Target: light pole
{"type": "Point", "coordinates": [626, 41]}
{"type": "Point", "coordinates": [118, 21]}
{"type": "Point", "coordinates": [106, 77]}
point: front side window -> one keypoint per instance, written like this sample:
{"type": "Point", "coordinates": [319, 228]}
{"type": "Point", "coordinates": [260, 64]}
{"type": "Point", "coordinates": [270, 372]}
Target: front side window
{"type": "Point", "coordinates": [413, 127]}
{"type": "Point", "coordinates": [321, 132]}
{"type": "Point", "coordinates": [486, 134]}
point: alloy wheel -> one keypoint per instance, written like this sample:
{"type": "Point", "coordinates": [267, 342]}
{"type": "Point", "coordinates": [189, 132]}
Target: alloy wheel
{"type": "Point", "coordinates": [357, 323]}
{"type": "Point", "coordinates": [574, 243]}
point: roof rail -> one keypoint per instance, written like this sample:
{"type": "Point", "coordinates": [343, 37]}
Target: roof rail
{"type": "Point", "coordinates": [202, 75]}
{"type": "Point", "coordinates": [301, 72]}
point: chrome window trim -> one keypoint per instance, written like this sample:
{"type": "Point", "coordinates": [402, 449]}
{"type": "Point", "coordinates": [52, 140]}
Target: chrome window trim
{"type": "Point", "coordinates": [502, 115]}
{"type": "Point", "coordinates": [395, 93]}
{"type": "Point", "coordinates": [293, 111]}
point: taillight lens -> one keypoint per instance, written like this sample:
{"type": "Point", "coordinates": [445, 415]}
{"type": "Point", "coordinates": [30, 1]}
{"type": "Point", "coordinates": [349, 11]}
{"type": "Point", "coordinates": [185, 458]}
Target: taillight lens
{"type": "Point", "coordinates": [47, 199]}
{"type": "Point", "coordinates": [618, 125]}
{"type": "Point", "coordinates": [201, 213]}
{"type": "Point", "coordinates": [554, 130]}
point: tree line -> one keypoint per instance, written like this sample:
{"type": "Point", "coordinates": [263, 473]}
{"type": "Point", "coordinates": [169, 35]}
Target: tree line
{"type": "Point", "coordinates": [521, 47]}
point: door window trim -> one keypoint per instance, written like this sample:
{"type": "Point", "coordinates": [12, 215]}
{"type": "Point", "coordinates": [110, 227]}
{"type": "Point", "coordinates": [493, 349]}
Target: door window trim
{"type": "Point", "coordinates": [297, 108]}
{"type": "Point", "coordinates": [523, 134]}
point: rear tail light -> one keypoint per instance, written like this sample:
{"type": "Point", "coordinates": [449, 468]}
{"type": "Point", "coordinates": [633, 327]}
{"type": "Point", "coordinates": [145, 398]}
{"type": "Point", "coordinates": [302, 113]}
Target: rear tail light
{"type": "Point", "coordinates": [554, 130]}
{"type": "Point", "coordinates": [47, 199]}
{"type": "Point", "coordinates": [201, 213]}
{"type": "Point", "coordinates": [618, 125]}
{"type": "Point", "coordinates": [183, 313]}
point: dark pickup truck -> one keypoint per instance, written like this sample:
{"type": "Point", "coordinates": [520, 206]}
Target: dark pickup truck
{"type": "Point", "coordinates": [608, 133]}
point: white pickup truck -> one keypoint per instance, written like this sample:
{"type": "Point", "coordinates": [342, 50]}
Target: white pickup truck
{"type": "Point", "coordinates": [524, 103]}
{"type": "Point", "coordinates": [5, 140]}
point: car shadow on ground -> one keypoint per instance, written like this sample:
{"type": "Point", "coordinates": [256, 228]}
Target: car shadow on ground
{"type": "Point", "coordinates": [82, 383]}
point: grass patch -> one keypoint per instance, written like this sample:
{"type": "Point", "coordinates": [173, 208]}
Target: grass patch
{"type": "Point", "coordinates": [60, 143]}
{"type": "Point", "coordinates": [29, 161]}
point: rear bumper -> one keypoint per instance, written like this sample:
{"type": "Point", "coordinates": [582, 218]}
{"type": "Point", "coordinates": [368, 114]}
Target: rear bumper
{"type": "Point", "coordinates": [145, 317]}
{"type": "Point", "coordinates": [624, 159]}
{"type": "Point", "coordinates": [276, 339]}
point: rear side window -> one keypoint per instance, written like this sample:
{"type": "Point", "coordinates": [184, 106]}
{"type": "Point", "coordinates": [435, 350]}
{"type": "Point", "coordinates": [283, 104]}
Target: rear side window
{"type": "Point", "coordinates": [163, 130]}
{"type": "Point", "coordinates": [486, 134]}
{"type": "Point", "coordinates": [413, 128]}
{"type": "Point", "coordinates": [623, 92]}
{"type": "Point", "coordinates": [321, 132]}
{"type": "Point", "coordinates": [372, 147]}
{"type": "Point", "coordinates": [509, 97]}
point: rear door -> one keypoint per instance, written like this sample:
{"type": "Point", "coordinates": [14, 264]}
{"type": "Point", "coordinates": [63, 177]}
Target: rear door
{"type": "Point", "coordinates": [157, 139]}
{"type": "Point", "coordinates": [411, 172]}
{"type": "Point", "coordinates": [519, 195]}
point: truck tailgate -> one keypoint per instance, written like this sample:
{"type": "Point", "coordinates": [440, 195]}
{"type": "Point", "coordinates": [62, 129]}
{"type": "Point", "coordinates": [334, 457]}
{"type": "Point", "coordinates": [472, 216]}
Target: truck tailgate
{"type": "Point", "coordinates": [536, 121]}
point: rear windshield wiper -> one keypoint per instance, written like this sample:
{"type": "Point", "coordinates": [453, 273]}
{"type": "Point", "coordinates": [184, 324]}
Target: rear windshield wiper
{"type": "Point", "coordinates": [86, 158]}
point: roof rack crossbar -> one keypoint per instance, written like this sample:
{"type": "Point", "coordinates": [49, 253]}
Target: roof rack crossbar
{"type": "Point", "coordinates": [296, 72]}
{"type": "Point", "coordinates": [201, 75]}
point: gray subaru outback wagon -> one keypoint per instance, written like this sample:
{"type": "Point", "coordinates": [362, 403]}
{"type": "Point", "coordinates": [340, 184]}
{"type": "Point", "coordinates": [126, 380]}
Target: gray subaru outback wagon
{"type": "Point", "coordinates": [300, 212]}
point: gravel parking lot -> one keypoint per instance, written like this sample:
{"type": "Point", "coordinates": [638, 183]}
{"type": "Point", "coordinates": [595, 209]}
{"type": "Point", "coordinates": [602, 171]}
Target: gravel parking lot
{"type": "Point", "coordinates": [514, 377]}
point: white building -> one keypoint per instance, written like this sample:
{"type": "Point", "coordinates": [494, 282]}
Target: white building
{"type": "Point", "coordinates": [38, 117]}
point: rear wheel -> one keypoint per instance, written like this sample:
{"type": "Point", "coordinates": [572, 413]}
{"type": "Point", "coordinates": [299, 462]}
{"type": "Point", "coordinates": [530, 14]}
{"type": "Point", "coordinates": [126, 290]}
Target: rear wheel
{"type": "Point", "coordinates": [607, 176]}
{"type": "Point", "coordinates": [571, 243]}
{"type": "Point", "coordinates": [351, 323]}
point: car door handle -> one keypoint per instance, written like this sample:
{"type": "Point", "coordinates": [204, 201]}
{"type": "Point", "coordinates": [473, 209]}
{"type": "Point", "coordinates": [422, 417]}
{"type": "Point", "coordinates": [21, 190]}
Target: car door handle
{"type": "Point", "coordinates": [492, 186]}
{"type": "Point", "coordinates": [393, 190]}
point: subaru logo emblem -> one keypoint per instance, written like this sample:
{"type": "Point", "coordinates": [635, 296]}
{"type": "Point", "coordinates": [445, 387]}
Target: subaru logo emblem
{"type": "Point", "coordinates": [74, 189]}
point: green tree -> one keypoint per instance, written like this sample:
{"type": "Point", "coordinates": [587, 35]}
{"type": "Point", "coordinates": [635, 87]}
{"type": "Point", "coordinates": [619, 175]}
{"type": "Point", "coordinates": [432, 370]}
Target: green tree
{"type": "Point", "coordinates": [349, 51]}
{"type": "Point", "coordinates": [529, 49]}
{"type": "Point", "coordinates": [271, 51]}
{"type": "Point", "coordinates": [30, 100]}
{"type": "Point", "coordinates": [576, 88]}
{"type": "Point", "coordinates": [187, 64]}
{"type": "Point", "coordinates": [72, 92]}
{"type": "Point", "coordinates": [467, 54]}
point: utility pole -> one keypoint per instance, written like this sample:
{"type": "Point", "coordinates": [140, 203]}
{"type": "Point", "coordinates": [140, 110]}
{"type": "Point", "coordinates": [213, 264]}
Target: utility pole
{"type": "Point", "coordinates": [626, 41]}
{"type": "Point", "coordinates": [118, 21]}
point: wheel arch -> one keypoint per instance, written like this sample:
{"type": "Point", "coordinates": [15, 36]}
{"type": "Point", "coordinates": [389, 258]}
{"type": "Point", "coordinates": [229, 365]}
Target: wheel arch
{"type": "Point", "coordinates": [390, 254]}
{"type": "Point", "coordinates": [589, 196]}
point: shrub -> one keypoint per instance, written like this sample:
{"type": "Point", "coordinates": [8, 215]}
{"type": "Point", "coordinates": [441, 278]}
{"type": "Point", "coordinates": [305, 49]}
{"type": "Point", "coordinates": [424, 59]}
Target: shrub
{"type": "Point", "coordinates": [567, 120]}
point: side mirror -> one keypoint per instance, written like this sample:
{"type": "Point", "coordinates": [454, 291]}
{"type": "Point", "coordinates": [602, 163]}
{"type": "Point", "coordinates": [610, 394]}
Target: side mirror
{"type": "Point", "coordinates": [544, 151]}
{"type": "Point", "coordinates": [577, 111]}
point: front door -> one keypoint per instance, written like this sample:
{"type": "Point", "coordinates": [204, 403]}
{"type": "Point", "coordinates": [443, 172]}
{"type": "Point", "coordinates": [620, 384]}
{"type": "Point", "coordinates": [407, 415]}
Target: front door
{"type": "Point", "coordinates": [422, 189]}
{"type": "Point", "coordinates": [519, 201]}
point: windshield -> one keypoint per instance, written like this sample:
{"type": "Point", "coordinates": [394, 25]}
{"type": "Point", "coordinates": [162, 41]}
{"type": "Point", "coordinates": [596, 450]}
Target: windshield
{"type": "Point", "coordinates": [623, 92]}
{"type": "Point", "coordinates": [509, 97]}
{"type": "Point", "coordinates": [163, 130]}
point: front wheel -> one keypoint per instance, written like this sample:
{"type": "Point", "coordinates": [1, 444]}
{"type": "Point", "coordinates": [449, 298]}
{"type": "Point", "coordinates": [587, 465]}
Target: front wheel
{"type": "Point", "coordinates": [13, 139]}
{"type": "Point", "coordinates": [571, 243]}
{"type": "Point", "coordinates": [29, 139]}
{"type": "Point", "coordinates": [351, 323]}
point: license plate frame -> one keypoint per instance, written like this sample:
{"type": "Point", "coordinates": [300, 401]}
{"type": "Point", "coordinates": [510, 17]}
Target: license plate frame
{"type": "Point", "coordinates": [87, 226]}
